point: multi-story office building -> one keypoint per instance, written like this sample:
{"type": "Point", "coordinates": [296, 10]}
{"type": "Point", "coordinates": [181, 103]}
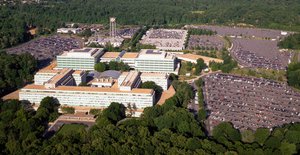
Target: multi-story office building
{"type": "Point", "coordinates": [127, 58]}
{"type": "Point", "coordinates": [80, 59]}
{"type": "Point", "coordinates": [147, 60]}
{"type": "Point", "coordinates": [62, 87]}
{"type": "Point", "coordinates": [44, 76]}
{"type": "Point", "coordinates": [92, 97]}
{"type": "Point", "coordinates": [160, 79]}
{"type": "Point", "coordinates": [155, 61]}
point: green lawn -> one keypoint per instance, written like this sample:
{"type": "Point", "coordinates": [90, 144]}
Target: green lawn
{"type": "Point", "coordinates": [71, 128]}
{"type": "Point", "coordinates": [264, 73]}
{"type": "Point", "coordinates": [185, 69]}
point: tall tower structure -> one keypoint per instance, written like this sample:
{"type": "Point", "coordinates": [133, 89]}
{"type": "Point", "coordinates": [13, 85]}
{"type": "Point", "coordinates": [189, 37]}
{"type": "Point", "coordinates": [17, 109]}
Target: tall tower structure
{"type": "Point", "coordinates": [112, 27]}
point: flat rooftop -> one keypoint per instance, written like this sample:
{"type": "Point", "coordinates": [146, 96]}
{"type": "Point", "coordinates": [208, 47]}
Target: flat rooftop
{"type": "Point", "coordinates": [64, 72]}
{"type": "Point", "coordinates": [161, 75]}
{"type": "Point", "coordinates": [154, 54]}
{"type": "Point", "coordinates": [83, 52]}
{"type": "Point", "coordinates": [130, 79]}
{"type": "Point", "coordinates": [130, 55]}
{"type": "Point", "coordinates": [196, 57]}
{"type": "Point", "coordinates": [111, 55]}
{"type": "Point", "coordinates": [87, 89]}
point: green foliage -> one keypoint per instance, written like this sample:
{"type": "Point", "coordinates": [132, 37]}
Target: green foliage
{"type": "Point", "coordinates": [161, 130]}
{"type": "Point", "coordinates": [277, 75]}
{"type": "Point", "coordinates": [145, 46]}
{"type": "Point", "coordinates": [293, 75]}
{"type": "Point", "coordinates": [114, 112]}
{"type": "Point", "coordinates": [247, 136]}
{"type": "Point", "coordinates": [212, 53]}
{"type": "Point", "coordinates": [86, 33]}
{"type": "Point", "coordinates": [15, 71]}
{"type": "Point", "coordinates": [100, 67]}
{"type": "Point", "coordinates": [49, 105]}
{"type": "Point", "coordinates": [95, 111]}
{"type": "Point", "coordinates": [226, 132]}
{"type": "Point", "coordinates": [201, 32]}
{"type": "Point", "coordinates": [152, 85]}
{"type": "Point", "coordinates": [184, 93]}
{"type": "Point", "coordinates": [173, 77]}
{"type": "Point", "coordinates": [228, 65]}
{"type": "Point", "coordinates": [68, 110]}
{"type": "Point", "coordinates": [134, 46]}
{"type": "Point", "coordinates": [48, 16]}
{"type": "Point", "coordinates": [287, 148]}
{"type": "Point", "coordinates": [114, 65]}
{"type": "Point", "coordinates": [291, 42]}
{"type": "Point", "coordinates": [202, 115]}
{"type": "Point", "coordinates": [261, 135]}
{"type": "Point", "coordinates": [68, 129]}
{"type": "Point", "coordinates": [200, 66]}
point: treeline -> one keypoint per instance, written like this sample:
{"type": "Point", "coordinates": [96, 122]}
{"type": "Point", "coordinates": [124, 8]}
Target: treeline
{"type": "Point", "coordinates": [112, 65]}
{"type": "Point", "coordinates": [166, 129]}
{"type": "Point", "coordinates": [201, 32]}
{"type": "Point", "coordinates": [228, 65]}
{"type": "Point", "coordinates": [48, 16]}
{"type": "Point", "coordinates": [197, 32]}
{"type": "Point", "coordinates": [291, 42]}
{"type": "Point", "coordinates": [293, 75]}
{"type": "Point", "coordinates": [15, 71]}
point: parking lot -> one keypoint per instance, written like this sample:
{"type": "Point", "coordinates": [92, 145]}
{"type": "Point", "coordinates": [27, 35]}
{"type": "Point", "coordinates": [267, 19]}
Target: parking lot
{"type": "Point", "coordinates": [206, 42]}
{"type": "Point", "coordinates": [255, 53]}
{"type": "Point", "coordinates": [165, 39]}
{"type": "Point", "coordinates": [46, 48]}
{"type": "Point", "coordinates": [244, 32]}
{"type": "Point", "coordinates": [249, 103]}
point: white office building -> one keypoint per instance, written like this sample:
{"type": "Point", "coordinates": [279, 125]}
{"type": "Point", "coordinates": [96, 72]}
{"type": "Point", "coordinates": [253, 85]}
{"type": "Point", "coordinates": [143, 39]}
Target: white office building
{"type": "Point", "coordinates": [155, 61]}
{"type": "Point", "coordinates": [160, 79]}
{"type": "Point", "coordinates": [93, 97]}
{"type": "Point", "coordinates": [62, 87]}
{"type": "Point", "coordinates": [79, 59]}
{"type": "Point", "coordinates": [69, 30]}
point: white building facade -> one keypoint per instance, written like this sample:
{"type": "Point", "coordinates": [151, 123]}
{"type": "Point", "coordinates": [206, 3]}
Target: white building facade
{"type": "Point", "coordinates": [79, 59]}
{"type": "Point", "coordinates": [155, 61]}
{"type": "Point", "coordinates": [93, 97]}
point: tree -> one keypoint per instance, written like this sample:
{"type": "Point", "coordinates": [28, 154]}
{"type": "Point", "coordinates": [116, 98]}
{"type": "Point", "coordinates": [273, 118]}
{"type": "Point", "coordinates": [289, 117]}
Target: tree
{"type": "Point", "coordinates": [51, 105]}
{"type": "Point", "coordinates": [261, 135]}
{"type": "Point", "coordinates": [173, 77]}
{"type": "Point", "coordinates": [100, 67]}
{"type": "Point", "coordinates": [247, 136]}
{"type": "Point", "coordinates": [293, 74]}
{"type": "Point", "coordinates": [68, 110]}
{"type": "Point", "coordinates": [114, 112]}
{"type": "Point", "coordinates": [288, 148]}
{"type": "Point", "coordinates": [225, 131]}
{"type": "Point", "coordinates": [113, 65]}
{"type": "Point", "coordinates": [152, 85]}
{"type": "Point", "coordinates": [272, 142]}
{"type": "Point", "coordinates": [95, 111]}
{"type": "Point", "coordinates": [202, 115]}
{"type": "Point", "coordinates": [200, 66]}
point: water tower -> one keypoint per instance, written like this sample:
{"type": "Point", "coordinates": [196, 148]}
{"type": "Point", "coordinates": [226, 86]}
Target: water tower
{"type": "Point", "coordinates": [112, 27]}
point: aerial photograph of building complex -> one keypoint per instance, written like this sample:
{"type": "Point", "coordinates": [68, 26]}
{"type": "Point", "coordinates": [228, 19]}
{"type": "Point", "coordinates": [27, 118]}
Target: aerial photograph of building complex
{"type": "Point", "coordinates": [150, 77]}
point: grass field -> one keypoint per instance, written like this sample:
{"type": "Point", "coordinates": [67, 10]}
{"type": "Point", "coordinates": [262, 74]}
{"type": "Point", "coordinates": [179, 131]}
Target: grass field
{"type": "Point", "coordinates": [71, 128]}
{"type": "Point", "coordinates": [264, 73]}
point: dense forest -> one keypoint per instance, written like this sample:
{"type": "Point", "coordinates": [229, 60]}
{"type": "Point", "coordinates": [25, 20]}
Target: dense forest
{"type": "Point", "coordinates": [291, 42]}
{"type": "Point", "coordinates": [166, 129]}
{"type": "Point", "coordinates": [15, 71]}
{"type": "Point", "coordinates": [293, 75]}
{"type": "Point", "coordinates": [48, 15]}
